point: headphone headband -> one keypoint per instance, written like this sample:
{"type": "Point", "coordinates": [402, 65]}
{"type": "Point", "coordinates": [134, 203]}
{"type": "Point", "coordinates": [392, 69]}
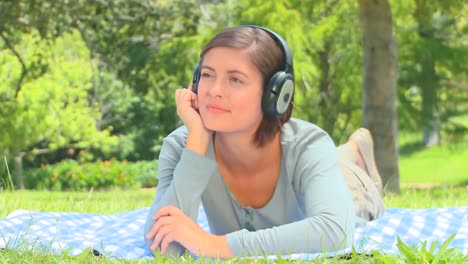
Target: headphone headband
{"type": "Point", "coordinates": [288, 59]}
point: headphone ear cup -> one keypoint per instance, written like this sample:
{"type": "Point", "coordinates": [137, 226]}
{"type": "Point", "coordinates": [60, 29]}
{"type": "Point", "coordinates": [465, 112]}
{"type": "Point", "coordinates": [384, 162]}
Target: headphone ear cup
{"type": "Point", "coordinates": [277, 94]}
{"type": "Point", "coordinates": [196, 78]}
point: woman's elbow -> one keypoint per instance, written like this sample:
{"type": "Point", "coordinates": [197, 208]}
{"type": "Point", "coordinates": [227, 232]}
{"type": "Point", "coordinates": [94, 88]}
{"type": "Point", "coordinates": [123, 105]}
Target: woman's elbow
{"type": "Point", "coordinates": [342, 236]}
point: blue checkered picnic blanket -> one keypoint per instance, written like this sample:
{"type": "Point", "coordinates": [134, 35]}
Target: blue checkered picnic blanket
{"type": "Point", "coordinates": [121, 235]}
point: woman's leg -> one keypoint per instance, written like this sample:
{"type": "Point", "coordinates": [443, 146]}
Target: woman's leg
{"type": "Point", "coordinates": [356, 159]}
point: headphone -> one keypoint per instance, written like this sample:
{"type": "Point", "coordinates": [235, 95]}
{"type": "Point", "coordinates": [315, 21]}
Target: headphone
{"type": "Point", "coordinates": [278, 91]}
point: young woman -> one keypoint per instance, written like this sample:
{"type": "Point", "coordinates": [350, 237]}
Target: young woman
{"type": "Point", "coordinates": [269, 183]}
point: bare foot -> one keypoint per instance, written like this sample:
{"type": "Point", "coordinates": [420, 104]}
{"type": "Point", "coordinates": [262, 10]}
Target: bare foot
{"type": "Point", "coordinates": [363, 145]}
{"type": "Point", "coordinates": [359, 159]}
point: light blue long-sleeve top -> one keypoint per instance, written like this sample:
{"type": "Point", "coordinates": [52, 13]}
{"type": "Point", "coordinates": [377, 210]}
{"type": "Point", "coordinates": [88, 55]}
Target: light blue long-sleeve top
{"type": "Point", "coordinates": [310, 211]}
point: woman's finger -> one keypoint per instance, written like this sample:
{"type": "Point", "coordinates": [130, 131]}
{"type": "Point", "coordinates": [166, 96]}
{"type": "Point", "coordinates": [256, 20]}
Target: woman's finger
{"type": "Point", "coordinates": [160, 236]}
{"type": "Point", "coordinates": [189, 87]}
{"type": "Point", "coordinates": [167, 210]}
{"type": "Point", "coordinates": [195, 104]}
{"type": "Point", "coordinates": [160, 222]}
{"type": "Point", "coordinates": [168, 238]}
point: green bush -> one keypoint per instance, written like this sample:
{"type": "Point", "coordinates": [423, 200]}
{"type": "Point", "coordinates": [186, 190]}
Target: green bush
{"type": "Point", "coordinates": [71, 175]}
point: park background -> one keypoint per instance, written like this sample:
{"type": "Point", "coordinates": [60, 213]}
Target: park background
{"type": "Point", "coordinates": [87, 87]}
{"type": "Point", "coordinates": [92, 82]}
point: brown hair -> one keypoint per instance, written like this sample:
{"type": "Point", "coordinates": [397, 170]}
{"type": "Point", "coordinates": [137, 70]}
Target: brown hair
{"type": "Point", "coordinates": [267, 56]}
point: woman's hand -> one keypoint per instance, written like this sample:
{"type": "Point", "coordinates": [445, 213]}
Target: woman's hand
{"type": "Point", "coordinates": [173, 225]}
{"type": "Point", "coordinates": [187, 109]}
{"type": "Point", "coordinates": [199, 136]}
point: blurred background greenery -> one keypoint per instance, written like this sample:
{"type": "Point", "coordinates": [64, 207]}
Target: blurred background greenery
{"type": "Point", "coordinates": [85, 83]}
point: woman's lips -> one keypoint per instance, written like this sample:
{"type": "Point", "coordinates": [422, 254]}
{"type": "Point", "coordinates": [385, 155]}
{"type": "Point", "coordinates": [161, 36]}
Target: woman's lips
{"type": "Point", "coordinates": [216, 109]}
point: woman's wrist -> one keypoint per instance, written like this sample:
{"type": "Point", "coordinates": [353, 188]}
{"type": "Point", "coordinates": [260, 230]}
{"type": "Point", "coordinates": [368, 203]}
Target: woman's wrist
{"type": "Point", "coordinates": [220, 247]}
{"type": "Point", "coordinates": [198, 141]}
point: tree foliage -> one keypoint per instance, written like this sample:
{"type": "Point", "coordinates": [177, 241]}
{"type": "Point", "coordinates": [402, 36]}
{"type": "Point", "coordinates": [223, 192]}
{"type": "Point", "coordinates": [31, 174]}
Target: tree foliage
{"type": "Point", "coordinates": [124, 39]}
{"type": "Point", "coordinates": [330, 93]}
{"type": "Point", "coordinates": [98, 77]}
{"type": "Point", "coordinates": [52, 110]}
{"type": "Point", "coordinates": [432, 72]}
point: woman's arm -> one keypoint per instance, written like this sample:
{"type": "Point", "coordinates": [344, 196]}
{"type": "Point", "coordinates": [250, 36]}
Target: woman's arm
{"type": "Point", "coordinates": [183, 170]}
{"type": "Point", "coordinates": [183, 175]}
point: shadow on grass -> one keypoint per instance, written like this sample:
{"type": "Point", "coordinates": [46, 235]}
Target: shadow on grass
{"type": "Point", "coordinates": [462, 184]}
{"type": "Point", "coordinates": [411, 148]}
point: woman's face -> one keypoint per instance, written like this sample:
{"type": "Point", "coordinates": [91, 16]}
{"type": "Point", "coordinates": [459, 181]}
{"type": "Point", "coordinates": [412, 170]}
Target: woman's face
{"type": "Point", "coordinates": [230, 91]}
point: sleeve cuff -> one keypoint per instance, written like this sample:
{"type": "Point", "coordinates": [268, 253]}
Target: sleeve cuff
{"type": "Point", "coordinates": [234, 241]}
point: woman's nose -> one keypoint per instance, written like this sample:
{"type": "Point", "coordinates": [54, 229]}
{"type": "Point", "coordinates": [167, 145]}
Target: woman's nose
{"type": "Point", "coordinates": [216, 90]}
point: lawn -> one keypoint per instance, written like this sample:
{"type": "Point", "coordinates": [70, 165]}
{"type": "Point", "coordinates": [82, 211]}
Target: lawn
{"type": "Point", "coordinates": [103, 202]}
{"type": "Point", "coordinates": [437, 165]}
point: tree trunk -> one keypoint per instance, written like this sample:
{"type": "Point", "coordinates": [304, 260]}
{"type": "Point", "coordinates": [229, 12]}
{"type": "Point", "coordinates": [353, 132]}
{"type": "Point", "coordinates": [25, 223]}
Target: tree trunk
{"type": "Point", "coordinates": [430, 114]}
{"type": "Point", "coordinates": [325, 86]}
{"type": "Point", "coordinates": [429, 81]}
{"type": "Point", "coordinates": [380, 59]}
{"type": "Point", "coordinates": [19, 171]}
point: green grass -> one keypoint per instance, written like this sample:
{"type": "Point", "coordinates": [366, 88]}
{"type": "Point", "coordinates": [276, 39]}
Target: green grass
{"type": "Point", "coordinates": [437, 165]}
{"type": "Point", "coordinates": [102, 202]}
{"type": "Point", "coordinates": [434, 197]}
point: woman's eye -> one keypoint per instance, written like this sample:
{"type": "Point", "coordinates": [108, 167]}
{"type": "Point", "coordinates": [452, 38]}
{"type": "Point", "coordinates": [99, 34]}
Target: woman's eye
{"type": "Point", "coordinates": [235, 80]}
{"type": "Point", "coordinates": [206, 75]}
